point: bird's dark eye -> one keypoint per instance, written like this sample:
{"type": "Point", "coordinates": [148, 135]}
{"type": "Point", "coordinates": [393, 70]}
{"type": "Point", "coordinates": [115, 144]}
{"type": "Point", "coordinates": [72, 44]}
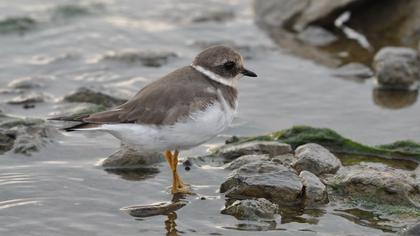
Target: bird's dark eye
{"type": "Point", "coordinates": [229, 65]}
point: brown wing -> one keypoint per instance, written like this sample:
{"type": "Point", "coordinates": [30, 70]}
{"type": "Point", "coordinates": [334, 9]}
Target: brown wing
{"type": "Point", "coordinates": [162, 102]}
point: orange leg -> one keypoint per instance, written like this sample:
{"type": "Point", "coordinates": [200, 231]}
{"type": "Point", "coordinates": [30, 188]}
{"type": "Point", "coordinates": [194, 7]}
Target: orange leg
{"type": "Point", "coordinates": [177, 185]}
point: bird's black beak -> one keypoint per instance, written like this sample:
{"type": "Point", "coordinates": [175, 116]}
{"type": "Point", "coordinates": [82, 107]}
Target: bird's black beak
{"type": "Point", "coordinates": [248, 73]}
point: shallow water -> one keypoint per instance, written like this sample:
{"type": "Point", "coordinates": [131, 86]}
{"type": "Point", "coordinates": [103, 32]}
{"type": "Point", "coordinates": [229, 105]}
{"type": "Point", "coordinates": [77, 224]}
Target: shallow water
{"type": "Point", "coordinates": [60, 191]}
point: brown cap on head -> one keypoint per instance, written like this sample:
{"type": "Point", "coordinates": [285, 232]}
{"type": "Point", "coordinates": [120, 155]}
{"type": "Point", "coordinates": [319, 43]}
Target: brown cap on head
{"type": "Point", "coordinates": [223, 61]}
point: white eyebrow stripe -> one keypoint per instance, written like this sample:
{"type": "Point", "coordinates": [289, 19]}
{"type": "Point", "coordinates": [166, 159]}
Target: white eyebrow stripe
{"type": "Point", "coordinates": [228, 82]}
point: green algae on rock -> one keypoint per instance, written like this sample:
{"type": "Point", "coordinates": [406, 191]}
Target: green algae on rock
{"type": "Point", "coordinates": [300, 135]}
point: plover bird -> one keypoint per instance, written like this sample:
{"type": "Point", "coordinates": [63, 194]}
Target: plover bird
{"type": "Point", "coordinates": [181, 110]}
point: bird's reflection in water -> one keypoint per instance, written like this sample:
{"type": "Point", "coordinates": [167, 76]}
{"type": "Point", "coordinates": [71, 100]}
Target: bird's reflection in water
{"type": "Point", "coordinates": [170, 224]}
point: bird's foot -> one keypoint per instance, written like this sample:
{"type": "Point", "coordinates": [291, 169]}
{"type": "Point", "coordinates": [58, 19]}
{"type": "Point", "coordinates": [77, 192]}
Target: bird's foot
{"type": "Point", "coordinates": [182, 189]}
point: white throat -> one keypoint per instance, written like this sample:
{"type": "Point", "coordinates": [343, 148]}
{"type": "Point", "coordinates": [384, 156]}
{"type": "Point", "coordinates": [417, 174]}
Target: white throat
{"type": "Point", "coordinates": [213, 76]}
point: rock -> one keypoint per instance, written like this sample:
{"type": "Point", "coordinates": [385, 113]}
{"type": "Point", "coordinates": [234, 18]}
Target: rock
{"type": "Point", "coordinates": [251, 209]}
{"type": "Point", "coordinates": [161, 208]}
{"type": "Point", "coordinates": [128, 157]}
{"type": "Point", "coordinates": [316, 159]}
{"type": "Point", "coordinates": [285, 159]}
{"type": "Point", "coordinates": [233, 151]}
{"type": "Point", "coordinates": [26, 83]}
{"type": "Point", "coordinates": [378, 183]}
{"type": "Point", "coordinates": [413, 230]}
{"type": "Point", "coordinates": [216, 15]}
{"type": "Point", "coordinates": [316, 36]}
{"type": "Point", "coordinates": [264, 179]}
{"type": "Point", "coordinates": [88, 95]}
{"type": "Point", "coordinates": [243, 160]}
{"type": "Point", "coordinates": [397, 67]}
{"type": "Point", "coordinates": [394, 98]}
{"type": "Point", "coordinates": [146, 58]}
{"type": "Point", "coordinates": [31, 97]}
{"type": "Point", "coordinates": [17, 25]}
{"type": "Point", "coordinates": [353, 70]}
{"type": "Point", "coordinates": [275, 13]}
{"type": "Point", "coordinates": [315, 191]}
{"type": "Point", "coordinates": [24, 136]}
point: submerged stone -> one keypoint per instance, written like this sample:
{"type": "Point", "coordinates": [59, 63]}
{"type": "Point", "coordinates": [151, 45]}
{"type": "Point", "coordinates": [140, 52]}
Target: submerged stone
{"type": "Point", "coordinates": [88, 95]}
{"type": "Point", "coordinates": [251, 209]}
{"type": "Point", "coordinates": [353, 71]}
{"type": "Point", "coordinates": [161, 208]}
{"type": "Point", "coordinates": [31, 97]}
{"type": "Point", "coordinates": [233, 151]}
{"type": "Point", "coordinates": [316, 159]}
{"type": "Point", "coordinates": [382, 185]}
{"type": "Point", "coordinates": [146, 58]}
{"type": "Point", "coordinates": [23, 136]}
{"type": "Point", "coordinates": [17, 24]}
{"type": "Point", "coordinates": [264, 179]}
{"type": "Point", "coordinates": [128, 157]}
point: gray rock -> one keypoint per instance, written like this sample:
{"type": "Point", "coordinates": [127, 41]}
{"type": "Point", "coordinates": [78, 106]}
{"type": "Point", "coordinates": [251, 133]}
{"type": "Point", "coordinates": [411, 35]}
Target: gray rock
{"type": "Point", "coordinates": [26, 83]}
{"type": "Point", "coordinates": [381, 184]}
{"type": "Point", "coordinates": [285, 159]}
{"type": "Point", "coordinates": [24, 136]}
{"type": "Point", "coordinates": [397, 67]}
{"type": "Point", "coordinates": [413, 230]}
{"type": "Point", "coordinates": [243, 160]}
{"type": "Point", "coordinates": [316, 159]}
{"type": "Point", "coordinates": [31, 97]}
{"type": "Point", "coordinates": [217, 15]}
{"type": "Point", "coordinates": [271, 148]}
{"type": "Point", "coordinates": [278, 13]}
{"type": "Point", "coordinates": [89, 95]}
{"type": "Point", "coordinates": [251, 209]}
{"type": "Point", "coordinates": [161, 208]}
{"type": "Point", "coordinates": [128, 157]}
{"type": "Point", "coordinates": [316, 36]}
{"type": "Point", "coordinates": [315, 190]}
{"type": "Point", "coordinates": [353, 70]}
{"type": "Point", "coordinates": [264, 179]}
{"type": "Point", "coordinates": [146, 58]}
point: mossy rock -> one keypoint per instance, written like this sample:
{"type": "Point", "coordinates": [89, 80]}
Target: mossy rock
{"type": "Point", "coordinates": [299, 135]}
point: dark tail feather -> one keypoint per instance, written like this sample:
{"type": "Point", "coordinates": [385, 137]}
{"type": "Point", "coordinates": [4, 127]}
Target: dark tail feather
{"type": "Point", "coordinates": [82, 125]}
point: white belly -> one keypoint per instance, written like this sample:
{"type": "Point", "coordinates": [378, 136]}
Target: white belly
{"type": "Point", "coordinates": [190, 132]}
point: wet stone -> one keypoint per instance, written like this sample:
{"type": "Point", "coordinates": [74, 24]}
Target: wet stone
{"type": "Point", "coordinates": [315, 191]}
{"type": "Point", "coordinates": [216, 15]}
{"type": "Point", "coordinates": [316, 159]}
{"type": "Point", "coordinates": [89, 95]}
{"type": "Point", "coordinates": [128, 157]}
{"type": "Point", "coordinates": [271, 148]}
{"type": "Point", "coordinates": [16, 25]}
{"type": "Point", "coordinates": [285, 159]}
{"type": "Point", "coordinates": [161, 208]}
{"type": "Point", "coordinates": [24, 136]}
{"type": "Point", "coordinates": [243, 160]}
{"type": "Point", "coordinates": [413, 230]}
{"type": "Point", "coordinates": [31, 97]}
{"type": "Point", "coordinates": [376, 183]}
{"type": "Point", "coordinates": [264, 179]}
{"type": "Point", "coordinates": [146, 58]}
{"type": "Point", "coordinates": [353, 70]}
{"type": "Point", "coordinates": [26, 83]}
{"type": "Point", "coordinates": [316, 36]}
{"type": "Point", "coordinates": [251, 209]}
{"type": "Point", "coordinates": [397, 67]}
